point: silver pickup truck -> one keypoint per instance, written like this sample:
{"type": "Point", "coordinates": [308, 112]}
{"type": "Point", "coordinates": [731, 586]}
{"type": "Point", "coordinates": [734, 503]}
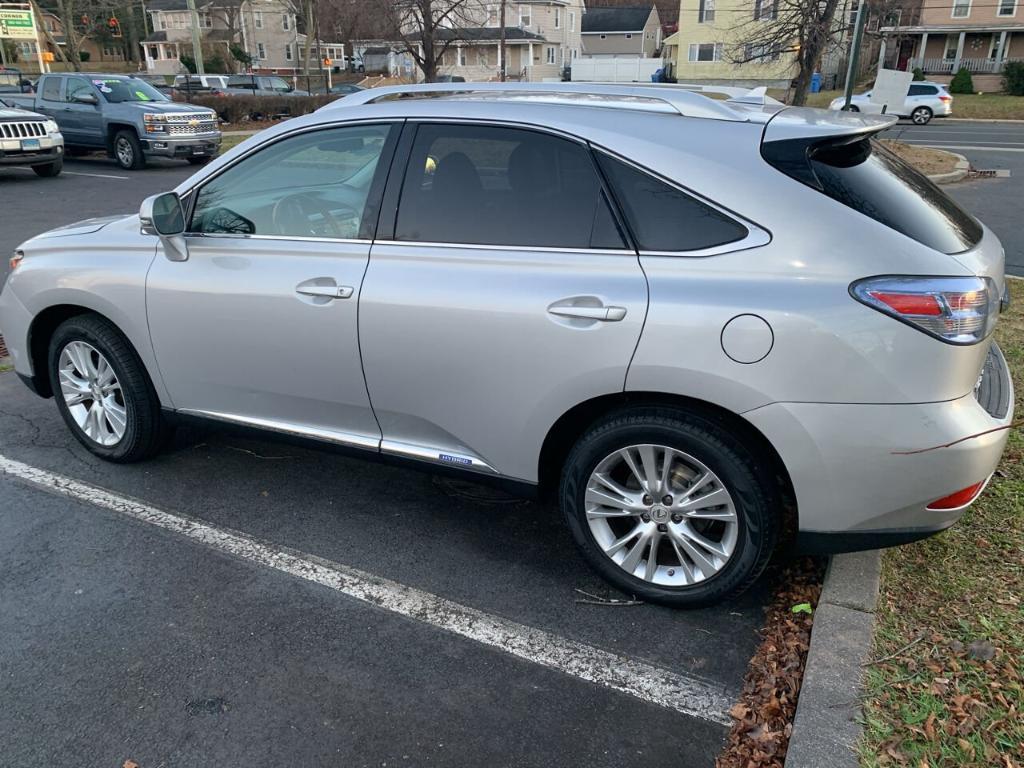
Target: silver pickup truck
{"type": "Point", "coordinates": [124, 116]}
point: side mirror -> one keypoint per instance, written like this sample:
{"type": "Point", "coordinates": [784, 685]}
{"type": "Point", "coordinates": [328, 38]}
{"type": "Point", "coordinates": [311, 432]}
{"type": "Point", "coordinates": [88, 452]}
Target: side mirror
{"type": "Point", "coordinates": [86, 98]}
{"type": "Point", "coordinates": [163, 215]}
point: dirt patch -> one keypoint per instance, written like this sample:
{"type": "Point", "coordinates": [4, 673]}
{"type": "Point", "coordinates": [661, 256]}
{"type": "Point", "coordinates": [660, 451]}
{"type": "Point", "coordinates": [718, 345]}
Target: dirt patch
{"type": "Point", "coordinates": [927, 161]}
{"type": "Point", "coordinates": [763, 717]}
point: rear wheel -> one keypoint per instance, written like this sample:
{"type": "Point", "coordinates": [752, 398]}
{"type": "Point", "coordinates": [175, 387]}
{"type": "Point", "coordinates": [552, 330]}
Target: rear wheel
{"type": "Point", "coordinates": [49, 169]}
{"type": "Point", "coordinates": [103, 391]}
{"type": "Point", "coordinates": [921, 116]}
{"type": "Point", "coordinates": [128, 151]}
{"type": "Point", "coordinates": [669, 506]}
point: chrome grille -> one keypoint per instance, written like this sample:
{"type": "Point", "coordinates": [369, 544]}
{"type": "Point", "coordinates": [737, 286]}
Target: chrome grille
{"type": "Point", "coordinates": [189, 124]}
{"type": "Point", "coordinates": [23, 130]}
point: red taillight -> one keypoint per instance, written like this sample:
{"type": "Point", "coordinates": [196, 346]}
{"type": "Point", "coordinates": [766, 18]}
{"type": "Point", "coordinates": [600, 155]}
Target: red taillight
{"type": "Point", "coordinates": [16, 260]}
{"type": "Point", "coordinates": [959, 499]}
{"type": "Point", "coordinates": [945, 99]}
{"type": "Point", "coordinates": [910, 303]}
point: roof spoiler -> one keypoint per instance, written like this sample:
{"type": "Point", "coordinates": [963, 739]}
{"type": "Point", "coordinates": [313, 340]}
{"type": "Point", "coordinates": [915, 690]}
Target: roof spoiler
{"type": "Point", "coordinates": [814, 124]}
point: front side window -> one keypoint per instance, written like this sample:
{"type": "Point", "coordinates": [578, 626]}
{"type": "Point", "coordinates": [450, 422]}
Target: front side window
{"type": "Point", "coordinates": [313, 185]}
{"type": "Point", "coordinates": [663, 218]}
{"type": "Point", "coordinates": [76, 86]}
{"type": "Point", "coordinates": [487, 185]}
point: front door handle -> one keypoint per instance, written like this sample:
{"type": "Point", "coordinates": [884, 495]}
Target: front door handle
{"type": "Point", "coordinates": [325, 291]}
{"type": "Point", "coordinates": [605, 314]}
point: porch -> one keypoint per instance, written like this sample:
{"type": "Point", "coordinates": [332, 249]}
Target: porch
{"type": "Point", "coordinates": [944, 51]}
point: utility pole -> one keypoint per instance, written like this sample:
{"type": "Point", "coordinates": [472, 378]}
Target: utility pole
{"type": "Point", "coordinates": [501, 43]}
{"type": "Point", "coordinates": [197, 45]}
{"type": "Point", "coordinates": [853, 60]}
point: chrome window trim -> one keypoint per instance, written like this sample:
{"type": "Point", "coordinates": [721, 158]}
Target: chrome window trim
{"type": "Point", "coordinates": [516, 248]}
{"type": "Point", "coordinates": [301, 239]}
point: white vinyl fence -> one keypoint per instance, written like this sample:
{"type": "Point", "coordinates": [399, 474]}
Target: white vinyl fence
{"type": "Point", "coordinates": [632, 70]}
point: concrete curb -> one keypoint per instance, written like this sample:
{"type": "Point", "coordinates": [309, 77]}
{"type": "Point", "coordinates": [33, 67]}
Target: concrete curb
{"type": "Point", "coordinates": [963, 165]}
{"type": "Point", "coordinates": [981, 120]}
{"type": "Point", "coordinates": [827, 726]}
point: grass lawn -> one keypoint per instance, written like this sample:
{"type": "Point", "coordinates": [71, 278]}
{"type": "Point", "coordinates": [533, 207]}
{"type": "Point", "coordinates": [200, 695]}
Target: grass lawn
{"type": "Point", "coordinates": [969, 106]}
{"type": "Point", "coordinates": [951, 618]}
{"type": "Point", "coordinates": [230, 141]}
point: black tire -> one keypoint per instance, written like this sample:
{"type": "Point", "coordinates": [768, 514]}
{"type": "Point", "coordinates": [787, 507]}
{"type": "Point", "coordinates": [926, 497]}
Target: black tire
{"type": "Point", "coordinates": [200, 160]}
{"type": "Point", "coordinates": [128, 151]}
{"type": "Point", "coordinates": [146, 429]}
{"type": "Point", "coordinates": [745, 474]}
{"type": "Point", "coordinates": [921, 116]}
{"type": "Point", "coordinates": [854, 108]}
{"type": "Point", "coordinates": [49, 169]}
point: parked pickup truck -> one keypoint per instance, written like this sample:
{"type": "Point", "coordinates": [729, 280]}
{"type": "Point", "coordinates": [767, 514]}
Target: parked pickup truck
{"type": "Point", "coordinates": [123, 115]}
{"type": "Point", "coordinates": [261, 85]}
{"type": "Point", "coordinates": [28, 138]}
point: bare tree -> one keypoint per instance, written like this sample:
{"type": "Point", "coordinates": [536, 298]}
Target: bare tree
{"type": "Point", "coordinates": [772, 29]}
{"type": "Point", "coordinates": [427, 29]}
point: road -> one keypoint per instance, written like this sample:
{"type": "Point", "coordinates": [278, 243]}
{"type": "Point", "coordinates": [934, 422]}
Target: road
{"type": "Point", "coordinates": [132, 632]}
{"type": "Point", "coordinates": [988, 146]}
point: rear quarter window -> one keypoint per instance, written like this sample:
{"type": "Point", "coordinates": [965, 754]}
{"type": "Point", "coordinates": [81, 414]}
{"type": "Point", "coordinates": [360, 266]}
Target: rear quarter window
{"type": "Point", "coordinates": [865, 176]}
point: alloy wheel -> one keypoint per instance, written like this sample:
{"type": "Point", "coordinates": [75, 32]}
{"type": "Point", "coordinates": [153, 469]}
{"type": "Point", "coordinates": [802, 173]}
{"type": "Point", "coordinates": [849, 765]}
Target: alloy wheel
{"type": "Point", "coordinates": [921, 116]}
{"type": "Point", "coordinates": [125, 152]}
{"type": "Point", "coordinates": [92, 393]}
{"type": "Point", "coordinates": [661, 515]}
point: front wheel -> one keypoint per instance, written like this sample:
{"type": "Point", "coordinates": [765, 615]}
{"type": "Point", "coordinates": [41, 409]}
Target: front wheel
{"type": "Point", "coordinates": [128, 151]}
{"type": "Point", "coordinates": [49, 169]}
{"type": "Point", "coordinates": [921, 116]}
{"type": "Point", "coordinates": [669, 506]}
{"type": "Point", "coordinates": [103, 391]}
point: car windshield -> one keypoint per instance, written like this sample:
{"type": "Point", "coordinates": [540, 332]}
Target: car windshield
{"type": "Point", "coordinates": [117, 90]}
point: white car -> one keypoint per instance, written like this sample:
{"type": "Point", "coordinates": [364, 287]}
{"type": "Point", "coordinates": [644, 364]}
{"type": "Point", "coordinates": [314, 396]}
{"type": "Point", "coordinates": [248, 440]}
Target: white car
{"type": "Point", "coordinates": [924, 101]}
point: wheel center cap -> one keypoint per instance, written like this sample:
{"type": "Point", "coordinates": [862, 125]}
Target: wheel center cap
{"type": "Point", "coordinates": [659, 514]}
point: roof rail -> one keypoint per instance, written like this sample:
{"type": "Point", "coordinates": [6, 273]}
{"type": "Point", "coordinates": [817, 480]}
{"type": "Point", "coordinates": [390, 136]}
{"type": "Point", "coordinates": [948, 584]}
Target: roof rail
{"type": "Point", "coordinates": [646, 97]}
{"type": "Point", "coordinates": [758, 96]}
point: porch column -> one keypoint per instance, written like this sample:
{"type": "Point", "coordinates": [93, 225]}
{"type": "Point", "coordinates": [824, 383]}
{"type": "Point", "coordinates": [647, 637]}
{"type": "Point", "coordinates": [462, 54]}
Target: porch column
{"type": "Point", "coordinates": [881, 52]}
{"type": "Point", "coordinates": [959, 52]}
{"type": "Point", "coordinates": [458, 55]}
{"type": "Point", "coordinates": [1001, 50]}
{"type": "Point", "coordinates": [924, 50]}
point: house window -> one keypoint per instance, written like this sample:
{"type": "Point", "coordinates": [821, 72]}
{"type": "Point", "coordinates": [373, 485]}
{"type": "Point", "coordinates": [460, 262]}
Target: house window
{"type": "Point", "coordinates": [288, 52]}
{"type": "Point", "coordinates": [707, 11]}
{"type": "Point", "coordinates": [572, 21]}
{"type": "Point", "coordinates": [558, 18]}
{"type": "Point", "coordinates": [952, 43]}
{"type": "Point", "coordinates": [705, 52]}
{"type": "Point", "coordinates": [261, 51]}
{"type": "Point", "coordinates": [1007, 8]}
{"type": "Point", "coordinates": [257, 19]}
{"type": "Point", "coordinates": [524, 16]}
{"type": "Point", "coordinates": [482, 59]}
{"type": "Point", "coordinates": [961, 9]}
{"type": "Point", "coordinates": [286, 21]}
{"type": "Point", "coordinates": [493, 16]}
{"type": "Point", "coordinates": [460, 57]}
{"type": "Point", "coordinates": [575, 52]}
{"type": "Point", "coordinates": [759, 54]}
{"type": "Point", "coordinates": [550, 55]}
{"type": "Point", "coordinates": [767, 10]}
{"type": "Point", "coordinates": [26, 49]}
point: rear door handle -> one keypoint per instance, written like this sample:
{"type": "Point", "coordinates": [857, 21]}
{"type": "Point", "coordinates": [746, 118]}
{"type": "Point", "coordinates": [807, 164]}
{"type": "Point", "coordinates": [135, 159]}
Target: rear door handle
{"type": "Point", "coordinates": [605, 314]}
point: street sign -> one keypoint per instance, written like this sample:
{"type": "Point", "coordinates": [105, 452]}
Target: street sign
{"type": "Point", "coordinates": [17, 25]}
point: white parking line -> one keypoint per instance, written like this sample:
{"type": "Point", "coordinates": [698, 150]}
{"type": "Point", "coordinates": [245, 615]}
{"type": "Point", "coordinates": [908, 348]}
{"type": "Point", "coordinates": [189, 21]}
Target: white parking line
{"type": "Point", "coordinates": [96, 175]}
{"type": "Point", "coordinates": [682, 693]}
{"type": "Point", "coordinates": [964, 146]}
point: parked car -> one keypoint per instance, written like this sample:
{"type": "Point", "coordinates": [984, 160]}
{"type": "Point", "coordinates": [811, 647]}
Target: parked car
{"type": "Point", "coordinates": [355, 64]}
{"type": "Point", "coordinates": [186, 83]}
{"type": "Point", "coordinates": [450, 79]}
{"type": "Point", "coordinates": [124, 116]}
{"type": "Point", "coordinates": [664, 347]}
{"type": "Point", "coordinates": [339, 89]}
{"type": "Point", "coordinates": [28, 138]}
{"type": "Point", "coordinates": [261, 85]}
{"type": "Point", "coordinates": [925, 100]}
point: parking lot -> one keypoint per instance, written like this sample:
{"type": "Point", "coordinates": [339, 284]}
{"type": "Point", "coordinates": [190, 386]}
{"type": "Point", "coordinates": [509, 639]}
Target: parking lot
{"type": "Point", "coordinates": [457, 640]}
{"type": "Point", "coordinates": [245, 602]}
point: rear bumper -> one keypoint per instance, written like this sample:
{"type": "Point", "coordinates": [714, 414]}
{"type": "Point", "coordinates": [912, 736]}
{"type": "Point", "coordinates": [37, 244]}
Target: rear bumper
{"type": "Point", "coordinates": [201, 145]}
{"type": "Point", "coordinates": [864, 474]}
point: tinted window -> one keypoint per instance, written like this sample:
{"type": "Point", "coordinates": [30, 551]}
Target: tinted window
{"type": "Point", "coordinates": [663, 218]}
{"type": "Point", "coordinates": [872, 180]}
{"type": "Point", "coordinates": [313, 185]}
{"type": "Point", "coordinates": [923, 90]}
{"type": "Point", "coordinates": [503, 186]}
{"type": "Point", "coordinates": [51, 89]}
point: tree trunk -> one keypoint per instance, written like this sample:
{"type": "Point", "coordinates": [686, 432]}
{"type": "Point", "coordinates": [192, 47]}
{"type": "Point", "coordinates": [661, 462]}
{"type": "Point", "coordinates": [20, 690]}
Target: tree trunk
{"type": "Point", "coordinates": [309, 36]}
{"type": "Point", "coordinates": [66, 11]}
{"type": "Point", "coordinates": [810, 54]}
{"type": "Point", "coordinates": [59, 52]}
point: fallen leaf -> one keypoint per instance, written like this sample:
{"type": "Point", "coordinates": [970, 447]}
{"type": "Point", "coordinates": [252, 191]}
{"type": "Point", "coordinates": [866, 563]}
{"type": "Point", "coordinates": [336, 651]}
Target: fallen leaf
{"type": "Point", "coordinates": [802, 608]}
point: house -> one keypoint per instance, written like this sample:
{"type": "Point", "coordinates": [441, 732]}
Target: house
{"type": "Point", "coordinates": [542, 37]}
{"type": "Point", "coordinates": [621, 32]}
{"type": "Point", "coordinates": [96, 52]}
{"type": "Point", "coordinates": [710, 45]}
{"type": "Point", "coordinates": [266, 30]}
{"type": "Point", "coordinates": [942, 36]}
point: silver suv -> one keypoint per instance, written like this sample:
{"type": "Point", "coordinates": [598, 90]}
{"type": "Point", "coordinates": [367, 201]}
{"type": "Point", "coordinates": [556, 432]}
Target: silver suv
{"type": "Point", "coordinates": [708, 327]}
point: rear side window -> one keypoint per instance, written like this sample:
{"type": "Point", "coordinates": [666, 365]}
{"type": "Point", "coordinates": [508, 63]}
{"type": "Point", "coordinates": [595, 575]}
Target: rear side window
{"type": "Point", "coordinates": [923, 90]}
{"type": "Point", "coordinates": [51, 89]}
{"type": "Point", "coordinates": [488, 185]}
{"type": "Point", "coordinates": [663, 218]}
{"type": "Point", "coordinates": [870, 179]}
